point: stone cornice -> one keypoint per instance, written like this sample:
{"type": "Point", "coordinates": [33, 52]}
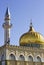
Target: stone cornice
{"type": "Point", "coordinates": [22, 48]}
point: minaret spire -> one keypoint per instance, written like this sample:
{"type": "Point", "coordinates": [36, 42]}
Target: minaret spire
{"type": "Point", "coordinates": [7, 11]}
{"type": "Point", "coordinates": [7, 26]}
{"type": "Point", "coordinates": [7, 14]}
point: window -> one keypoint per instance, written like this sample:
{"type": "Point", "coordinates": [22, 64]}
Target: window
{"type": "Point", "coordinates": [12, 57]}
{"type": "Point", "coordinates": [21, 57]}
{"type": "Point", "coordinates": [30, 58]}
{"type": "Point", "coordinates": [2, 58]}
{"type": "Point", "coordinates": [38, 59]}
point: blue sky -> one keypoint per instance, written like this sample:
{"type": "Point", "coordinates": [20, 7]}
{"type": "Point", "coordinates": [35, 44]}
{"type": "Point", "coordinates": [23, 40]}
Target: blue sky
{"type": "Point", "coordinates": [21, 13]}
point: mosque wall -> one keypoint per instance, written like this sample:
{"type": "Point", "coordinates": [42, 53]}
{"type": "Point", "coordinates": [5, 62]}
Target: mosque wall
{"type": "Point", "coordinates": [37, 55]}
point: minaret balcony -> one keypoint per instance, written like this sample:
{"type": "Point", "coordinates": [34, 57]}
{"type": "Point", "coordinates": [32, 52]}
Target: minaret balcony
{"type": "Point", "coordinates": [7, 17]}
{"type": "Point", "coordinates": [7, 25]}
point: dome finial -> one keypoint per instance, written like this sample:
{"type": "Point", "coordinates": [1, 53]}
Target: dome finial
{"type": "Point", "coordinates": [31, 26]}
{"type": "Point", "coordinates": [31, 23]}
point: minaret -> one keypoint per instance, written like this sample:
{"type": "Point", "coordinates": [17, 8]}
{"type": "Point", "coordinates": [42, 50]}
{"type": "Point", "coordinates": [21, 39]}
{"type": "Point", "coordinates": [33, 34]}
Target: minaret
{"type": "Point", "coordinates": [7, 26]}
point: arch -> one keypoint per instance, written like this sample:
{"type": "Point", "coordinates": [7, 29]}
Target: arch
{"type": "Point", "coordinates": [38, 59]}
{"type": "Point", "coordinates": [12, 57]}
{"type": "Point", "coordinates": [21, 57]}
{"type": "Point", "coordinates": [30, 58]}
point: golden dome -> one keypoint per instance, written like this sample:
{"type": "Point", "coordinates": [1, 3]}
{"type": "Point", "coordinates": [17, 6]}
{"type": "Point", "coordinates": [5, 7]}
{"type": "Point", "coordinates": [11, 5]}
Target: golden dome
{"type": "Point", "coordinates": [31, 37]}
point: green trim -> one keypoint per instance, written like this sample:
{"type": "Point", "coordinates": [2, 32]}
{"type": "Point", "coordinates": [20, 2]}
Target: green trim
{"type": "Point", "coordinates": [33, 45]}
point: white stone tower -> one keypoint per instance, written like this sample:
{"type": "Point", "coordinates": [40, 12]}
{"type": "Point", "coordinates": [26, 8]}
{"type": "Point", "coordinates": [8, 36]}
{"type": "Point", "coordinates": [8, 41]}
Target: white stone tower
{"type": "Point", "coordinates": [7, 26]}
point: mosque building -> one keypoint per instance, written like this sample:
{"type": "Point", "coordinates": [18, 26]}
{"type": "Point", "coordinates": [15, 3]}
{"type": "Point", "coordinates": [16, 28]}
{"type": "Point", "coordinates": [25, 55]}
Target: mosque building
{"type": "Point", "coordinates": [30, 50]}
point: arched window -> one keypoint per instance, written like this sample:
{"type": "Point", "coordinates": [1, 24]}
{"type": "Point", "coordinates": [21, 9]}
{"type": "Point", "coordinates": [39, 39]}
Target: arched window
{"type": "Point", "coordinates": [2, 57]}
{"type": "Point", "coordinates": [21, 57]}
{"type": "Point", "coordinates": [12, 57]}
{"type": "Point", "coordinates": [38, 59]}
{"type": "Point", "coordinates": [30, 58]}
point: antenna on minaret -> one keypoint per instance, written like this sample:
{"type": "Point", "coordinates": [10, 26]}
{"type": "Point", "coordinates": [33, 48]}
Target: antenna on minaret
{"type": "Point", "coordinates": [7, 26]}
